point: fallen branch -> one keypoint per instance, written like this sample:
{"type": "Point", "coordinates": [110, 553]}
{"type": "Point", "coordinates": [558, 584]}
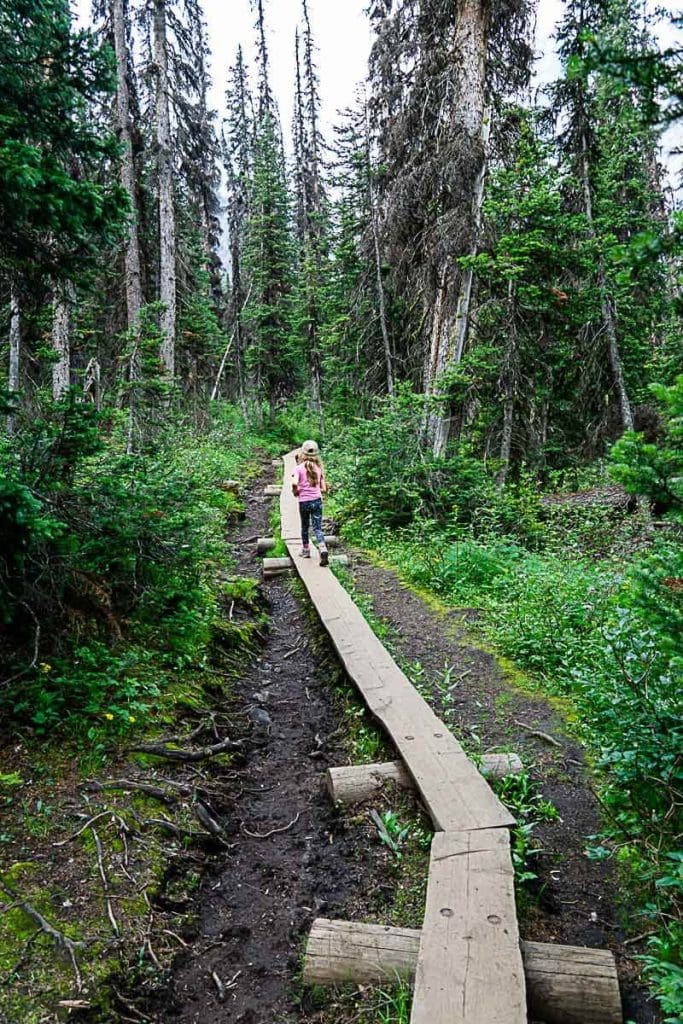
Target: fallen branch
{"type": "Point", "coordinates": [273, 831]}
{"type": "Point", "coordinates": [177, 754]}
{"type": "Point", "coordinates": [537, 732]}
{"type": "Point", "coordinates": [62, 941]}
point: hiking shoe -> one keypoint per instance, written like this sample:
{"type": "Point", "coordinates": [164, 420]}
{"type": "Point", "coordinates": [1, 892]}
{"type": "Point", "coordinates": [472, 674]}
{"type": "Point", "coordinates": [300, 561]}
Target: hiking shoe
{"type": "Point", "coordinates": [305, 553]}
{"type": "Point", "coordinates": [324, 557]}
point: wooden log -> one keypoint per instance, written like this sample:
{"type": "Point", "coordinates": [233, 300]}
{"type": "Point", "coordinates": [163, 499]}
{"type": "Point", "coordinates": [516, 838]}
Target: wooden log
{"type": "Point", "coordinates": [469, 964]}
{"type": "Point", "coordinates": [273, 564]}
{"type": "Point", "coordinates": [277, 463]}
{"type": "Point", "coordinates": [339, 559]}
{"type": "Point", "coordinates": [264, 544]}
{"type": "Point", "coordinates": [564, 984]}
{"type": "Point", "coordinates": [272, 490]}
{"type": "Point", "coordinates": [353, 784]}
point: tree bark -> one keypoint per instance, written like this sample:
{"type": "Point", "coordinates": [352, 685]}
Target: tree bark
{"type": "Point", "coordinates": [14, 350]}
{"type": "Point", "coordinates": [607, 308]}
{"type": "Point", "coordinates": [449, 334]}
{"type": "Point", "coordinates": [61, 325]}
{"type": "Point", "coordinates": [388, 360]}
{"type": "Point", "coordinates": [508, 380]}
{"type": "Point", "coordinates": [167, 233]}
{"type": "Point", "coordinates": [471, 125]}
{"type": "Point", "coordinates": [131, 244]}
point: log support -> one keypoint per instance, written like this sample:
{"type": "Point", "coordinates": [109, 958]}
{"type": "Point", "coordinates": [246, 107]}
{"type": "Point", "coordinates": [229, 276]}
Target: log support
{"type": "Point", "coordinates": [564, 984]}
{"type": "Point", "coordinates": [272, 490]}
{"type": "Point", "coordinates": [356, 783]}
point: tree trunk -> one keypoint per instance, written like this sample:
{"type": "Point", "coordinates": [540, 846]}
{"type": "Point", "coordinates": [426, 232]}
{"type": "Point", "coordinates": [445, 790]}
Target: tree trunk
{"type": "Point", "coordinates": [607, 308]}
{"type": "Point", "coordinates": [388, 360]}
{"type": "Point", "coordinates": [167, 235]}
{"type": "Point", "coordinates": [131, 245]}
{"type": "Point", "coordinates": [508, 380]}
{"type": "Point", "coordinates": [450, 334]}
{"type": "Point", "coordinates": [14, 351]}
{"type": "Point", "coordinates": [471, 125]}
{"type": "Point", "coordinates": [61, 324]}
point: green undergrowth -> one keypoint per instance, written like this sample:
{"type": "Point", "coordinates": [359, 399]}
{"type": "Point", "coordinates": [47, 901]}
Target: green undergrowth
{"type": "Point", "coordinates": [164, 627]}
{"type": "Point", "coordinates": [598, 633]}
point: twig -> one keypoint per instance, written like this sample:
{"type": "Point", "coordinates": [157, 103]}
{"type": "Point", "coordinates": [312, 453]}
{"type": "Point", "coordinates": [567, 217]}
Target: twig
{"type": "Point", "coordinates": [273, 831]}
{"type": "Point", "coordinates": [91, 821]}
{"type": "Point", "coordinates": [142, 787]}
{"type": "Point", "coordinates": [174, 935]}
{"type": "Point", "coordinates": [131, 1007]}
{"type": "Point", "coordinates": [639, 938]}
{"type": "Point", "coordinates": [536, 732]}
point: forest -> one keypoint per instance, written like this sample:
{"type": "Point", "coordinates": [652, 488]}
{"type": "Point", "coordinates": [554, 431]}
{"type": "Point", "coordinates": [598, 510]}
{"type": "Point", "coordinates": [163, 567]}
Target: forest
{"type": "Point", "coordinates": [468, 291]}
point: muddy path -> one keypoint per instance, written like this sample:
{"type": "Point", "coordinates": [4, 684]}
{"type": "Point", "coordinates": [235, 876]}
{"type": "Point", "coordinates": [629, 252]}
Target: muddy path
{"type": "Point", "coordinates": [290, 857]}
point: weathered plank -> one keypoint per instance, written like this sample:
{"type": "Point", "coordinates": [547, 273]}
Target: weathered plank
{"type": "Point", "coordinates": [469, 966]}
{"type": "Point", "coordinates": [564, 984]}
{"type": "Point", "coordinates": [455, 794]}
{"type": "Point", "coordinates": [352, 784]}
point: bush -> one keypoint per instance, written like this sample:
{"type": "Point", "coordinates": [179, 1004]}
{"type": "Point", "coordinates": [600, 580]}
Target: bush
{"type": "Point", "coordinates": [107, 548]}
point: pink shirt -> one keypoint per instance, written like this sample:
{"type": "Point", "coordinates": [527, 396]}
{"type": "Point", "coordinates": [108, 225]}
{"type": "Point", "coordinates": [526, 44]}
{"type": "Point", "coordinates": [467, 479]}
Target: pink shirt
{"type": "Point", "coordinates": [306, 491]}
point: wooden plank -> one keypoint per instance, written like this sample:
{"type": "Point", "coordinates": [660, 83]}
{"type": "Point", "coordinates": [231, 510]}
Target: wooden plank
{"type": "Point", "coordinates": [352, 784]}
{"type": "Point", "coordinates": [455, 794]}
{"type": "Point", "coordinates": [564, 984]}
{"type": "Point", "coordinates": [469, 967]}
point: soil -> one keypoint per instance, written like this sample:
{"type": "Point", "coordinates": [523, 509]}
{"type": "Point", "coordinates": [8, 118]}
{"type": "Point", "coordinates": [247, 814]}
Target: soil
{"type": "Point", "coordinates": [229, 920]}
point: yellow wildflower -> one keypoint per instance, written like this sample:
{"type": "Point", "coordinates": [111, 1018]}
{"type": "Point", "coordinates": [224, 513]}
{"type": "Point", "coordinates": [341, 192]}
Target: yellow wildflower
{"type": "Point", "coordinates": [131, 718]}
{"type": "Point", "coordinates": [45, 668]}
{"type": "Point", "coordinates": [109, 716]}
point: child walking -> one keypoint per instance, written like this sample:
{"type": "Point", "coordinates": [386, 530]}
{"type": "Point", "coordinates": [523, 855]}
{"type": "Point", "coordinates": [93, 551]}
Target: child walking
{"type": "Point", "coordinates": [309, 485]}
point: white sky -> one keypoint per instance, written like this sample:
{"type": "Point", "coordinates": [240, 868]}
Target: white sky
{"type": "Point", "coordinates": [343, 38]}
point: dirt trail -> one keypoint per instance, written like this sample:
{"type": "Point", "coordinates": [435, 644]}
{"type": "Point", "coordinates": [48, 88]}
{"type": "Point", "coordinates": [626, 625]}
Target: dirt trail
{"type": "Point", "coordinates": [258, 907]}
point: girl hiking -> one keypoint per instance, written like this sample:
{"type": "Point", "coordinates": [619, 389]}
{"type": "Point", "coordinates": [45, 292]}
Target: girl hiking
{"type": "Point", "coordinates": [309, 485]}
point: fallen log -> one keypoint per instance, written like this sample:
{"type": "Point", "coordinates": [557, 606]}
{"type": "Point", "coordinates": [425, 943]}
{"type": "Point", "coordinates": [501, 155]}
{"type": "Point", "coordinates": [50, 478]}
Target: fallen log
{"type": "Point", "coordinates": [355, 783]}
{"type": "Point", "coordinates": [274, 567]}
{"type": "Point", "coordinates": [564, 984]}
{"type": "Point", "coordinates": [272, 490]}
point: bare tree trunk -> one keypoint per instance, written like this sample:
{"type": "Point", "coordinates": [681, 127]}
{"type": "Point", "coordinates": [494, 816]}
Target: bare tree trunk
{"type": "Point", "coordinates": [471, 123]}
{"type": "Point", "coordinates": [607, 308]}
{"type": "Point", "coordinates": [508, 379]}
{"type": "Point", "coordinates": [167, 234]}
{"type": "Point", "coordinates": [14, 350]}
{"type": "Point", "coordinates": [452, 337]}
{"type": "Point", "coordinates": [131, 245]}
{"type": "Point", "coordinates": [388, 359]}
{"type": "Point", "coordinates": [61, 325]}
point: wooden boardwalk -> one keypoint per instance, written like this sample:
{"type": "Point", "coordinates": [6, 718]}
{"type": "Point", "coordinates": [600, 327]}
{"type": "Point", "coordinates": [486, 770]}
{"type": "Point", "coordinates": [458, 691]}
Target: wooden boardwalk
{"type": "Point", "coordinates": [469, 964]}
{"type": "Point", "coordinates": [457, 797]}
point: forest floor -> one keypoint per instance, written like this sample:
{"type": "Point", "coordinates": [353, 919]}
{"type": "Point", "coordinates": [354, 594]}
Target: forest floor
{"type": "Point", "coordinates": [213, 880]}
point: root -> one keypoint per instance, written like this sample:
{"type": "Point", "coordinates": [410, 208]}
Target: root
{"type": "Point", "coordinates": [273, 831]}
{"type": "Point", "coordinates": [62, 942]}
{"type": "Point", "coordinates": [539, 735]}
{"type": "Point", "coordinates": [105, 884]}
{"type": "Point", "coordinates": [177, 754]}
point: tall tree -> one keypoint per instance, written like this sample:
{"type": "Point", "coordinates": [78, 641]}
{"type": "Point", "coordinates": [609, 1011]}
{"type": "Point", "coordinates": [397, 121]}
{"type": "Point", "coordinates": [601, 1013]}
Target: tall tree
{"type": "Point", "coordinates": [166, 208]}
{"type": "Point", "coordinates": [133, 279]}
